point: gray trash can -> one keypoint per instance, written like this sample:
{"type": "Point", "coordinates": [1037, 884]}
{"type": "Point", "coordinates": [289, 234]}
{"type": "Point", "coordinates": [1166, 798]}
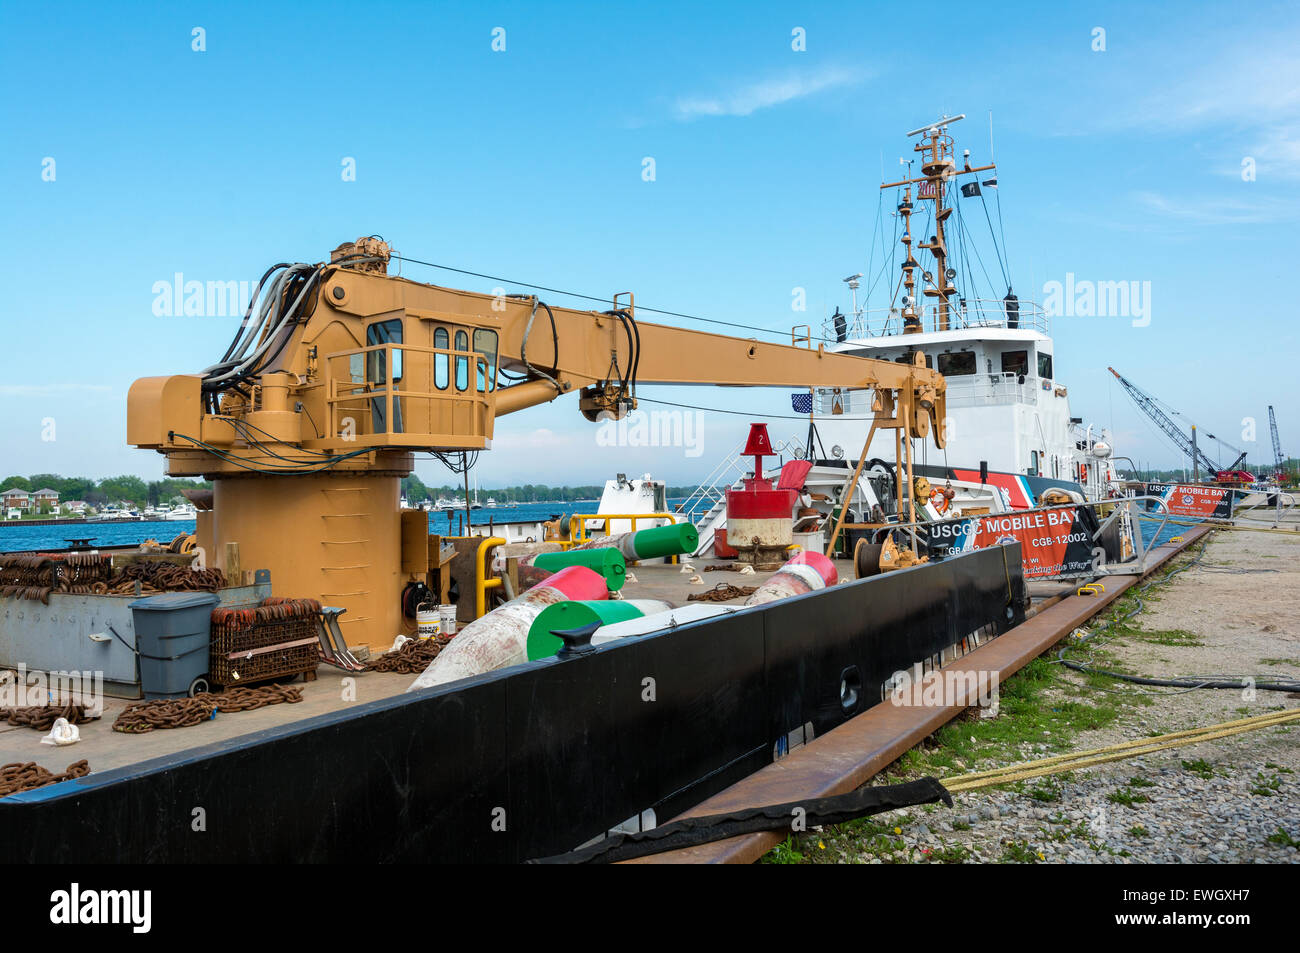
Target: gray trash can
{"type": "Point", "coordinates": [173, 632]}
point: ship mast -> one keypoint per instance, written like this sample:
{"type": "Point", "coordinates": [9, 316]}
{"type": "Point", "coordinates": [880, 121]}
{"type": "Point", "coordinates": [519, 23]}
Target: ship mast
{"type": "Point", "coordinates": [937, 167]}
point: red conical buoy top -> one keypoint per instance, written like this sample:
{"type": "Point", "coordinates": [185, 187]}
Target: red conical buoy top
{"type": "Point", "coordinates": [758, 444]}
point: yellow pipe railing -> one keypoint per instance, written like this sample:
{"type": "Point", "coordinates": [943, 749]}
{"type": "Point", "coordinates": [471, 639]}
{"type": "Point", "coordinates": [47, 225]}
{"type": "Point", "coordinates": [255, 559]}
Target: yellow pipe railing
{"type": "Point", "coordinates": [481, 582]}
{"type": "Point", "coordinates": [578, 524]}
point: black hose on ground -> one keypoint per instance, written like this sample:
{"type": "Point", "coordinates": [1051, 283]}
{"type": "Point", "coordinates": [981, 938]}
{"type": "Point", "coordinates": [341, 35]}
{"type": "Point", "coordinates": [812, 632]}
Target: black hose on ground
{"type": "Point", "coordinates": [814, 812]}
{"type": "Point", "coordinates": [1189, 683]}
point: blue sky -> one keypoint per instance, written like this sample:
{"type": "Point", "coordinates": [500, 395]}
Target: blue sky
{"type": "Point", "coordinates": [1117, 165]}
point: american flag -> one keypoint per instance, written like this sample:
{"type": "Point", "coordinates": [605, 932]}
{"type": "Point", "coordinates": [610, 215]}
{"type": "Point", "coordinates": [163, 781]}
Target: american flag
{"type": "Point", "coordinates": [927, 190]}
{"type": "Point", "coordinates": [802, 403]}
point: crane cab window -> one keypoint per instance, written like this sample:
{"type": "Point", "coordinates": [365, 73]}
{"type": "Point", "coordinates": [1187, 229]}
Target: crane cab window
{"type": "Point", "coordinates": [383, 332]}
{"type": "Point", "coordinates": [955, 365]}
{"type": "Point", "coordinates": [1015, 362]}
{"type": "Point", "coordinates": [441, 374]}
{"type": "Point", "coordinates": [462, 363]}
{"type": "Point", "coordinates": [485, 343]}
{"type": "Point", "coordinates": [1044, 366]}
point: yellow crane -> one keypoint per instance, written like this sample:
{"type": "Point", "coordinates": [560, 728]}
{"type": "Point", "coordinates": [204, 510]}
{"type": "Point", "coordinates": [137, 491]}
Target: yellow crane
{"type": "Point", "coordinates": [341, 372]}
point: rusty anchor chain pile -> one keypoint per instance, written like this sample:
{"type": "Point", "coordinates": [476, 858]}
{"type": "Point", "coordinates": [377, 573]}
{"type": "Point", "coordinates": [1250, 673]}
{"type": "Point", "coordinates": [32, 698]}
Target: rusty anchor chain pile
{"type": "Point", "coordinates": [43, 717]}
{"type": "Point", "coordinates": [27, 576]}
{"type": "Point", "coordinates": [35, 575]}
{"type": "Point", "coordinates": [271, 609]}
{"type": "Point", "coordinates": [141, 717]}
{"type": "Point", "coordinates": [83, 572]}
{"type": "Point", "coordinates": [164, 577]}
{"type": "Point", "coordinates": [183, 543]}
{"type": "Point", "coordinates": [20, 776]}
{"type": "Point", "coordinates": [411, 659]}
{"type": "Point", "coordinates": [722, 592]}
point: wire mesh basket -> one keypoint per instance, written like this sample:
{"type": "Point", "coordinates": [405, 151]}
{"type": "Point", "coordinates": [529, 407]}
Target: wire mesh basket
{"type": "Point", "coordinates": [275, 640]}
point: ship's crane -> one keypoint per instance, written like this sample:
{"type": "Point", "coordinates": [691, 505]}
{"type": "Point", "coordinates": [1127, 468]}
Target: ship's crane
{"type": "Point", "coordinates": [1279, 460]}
{"type": "Point", "coordinates": [1185, 442]}
{"type": "Point", "coordinates": [340, 373]}
{"type": "Point", "coordinates": [1234, 466]}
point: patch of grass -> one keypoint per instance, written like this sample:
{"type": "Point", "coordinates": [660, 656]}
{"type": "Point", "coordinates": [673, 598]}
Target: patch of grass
{"type": "Point", "coordinates": [786, 852]}
{"type": "Point", "coordinates": [1283, 839]}
{"type": "Point", "coordinates": [1137, 830]}
{"type": "Point", "coordinates": [1045, 791]}
{"type": "Point", "coordinates": [1200, 767]}
{"type": "Point", "coordinates": [960, 826]}
{"type": "Point", "coordinates": [1176, 637]}
{"type": "Point", "coordinates": [1018, 852]}
{"type": "Point", "coordinates": [1277, 767]}
{"type": "Point", "coordinates": [950, 854]}
{"type": "Point", "coordinates": [1064, 832]}
{"type": "Point", "coordinates": [1027, 718]}
{"type": "Point", "coordinates": [1266, 785]}
{"type": "Point", "coordinates": [1136, 782]}
{"type": "Point", "coordinates": [1277, 661]}
{"type": "Point", "coordinates": [1127, 798]}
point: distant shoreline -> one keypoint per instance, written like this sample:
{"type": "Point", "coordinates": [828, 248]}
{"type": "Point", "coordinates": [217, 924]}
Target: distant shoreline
{"type": "Point", "coordinates": [55, 521]}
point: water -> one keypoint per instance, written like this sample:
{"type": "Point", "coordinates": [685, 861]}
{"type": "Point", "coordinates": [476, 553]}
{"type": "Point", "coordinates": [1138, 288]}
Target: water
{"type": "Point", "coordinates": [1168, 532]}
{"type": "Point", "coordinates": [14, 537]}
{"type": "Point", "coordinates": [117, 533]}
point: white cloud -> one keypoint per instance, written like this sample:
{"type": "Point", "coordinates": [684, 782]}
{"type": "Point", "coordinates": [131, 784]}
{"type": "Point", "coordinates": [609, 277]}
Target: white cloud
{"type": "Point", "coordinates": [1212, 211]}
{"type": "Point", "coordinates": [1241, 100]}
{"type": "Point", "coordinates": [763, 94]}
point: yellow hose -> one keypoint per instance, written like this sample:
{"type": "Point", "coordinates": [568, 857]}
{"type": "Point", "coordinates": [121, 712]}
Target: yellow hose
{"type": "Point", "coordinates": [1117, 752]}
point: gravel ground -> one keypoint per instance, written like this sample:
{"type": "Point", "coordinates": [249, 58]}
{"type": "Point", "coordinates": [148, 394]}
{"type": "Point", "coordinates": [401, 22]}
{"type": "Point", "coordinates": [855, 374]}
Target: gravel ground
{"type": "Point", "coordinates": [1172, 815]}
{"type": "Point", "coordinates": [1233, 800]}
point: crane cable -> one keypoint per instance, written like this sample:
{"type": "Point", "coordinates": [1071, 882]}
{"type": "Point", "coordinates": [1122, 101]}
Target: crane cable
{"type": "Point", "coordinates": [586, 297]}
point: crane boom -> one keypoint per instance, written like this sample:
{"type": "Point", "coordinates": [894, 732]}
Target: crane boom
{"type": "Point", "coordinates": [1147, 404]}
{"type": "Point", "coordinates": [341, 373]}
{"type": "Point", "coordinates": [1278, 459]}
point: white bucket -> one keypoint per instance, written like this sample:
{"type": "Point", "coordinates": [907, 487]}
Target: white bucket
{"type": "Point", "coordinates": [428, 622]}
{"type": "Point", "coordinates": [448, 617]}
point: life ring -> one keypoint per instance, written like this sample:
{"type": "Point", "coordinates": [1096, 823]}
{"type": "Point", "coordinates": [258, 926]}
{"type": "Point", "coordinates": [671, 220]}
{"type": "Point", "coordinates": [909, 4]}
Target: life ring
{"type": "Point", "coordinates": [939, 500]}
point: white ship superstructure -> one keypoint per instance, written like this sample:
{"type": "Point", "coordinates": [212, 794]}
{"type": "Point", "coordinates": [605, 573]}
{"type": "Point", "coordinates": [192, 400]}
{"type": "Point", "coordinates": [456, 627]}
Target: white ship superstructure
{"type": "Point", "coordinates": [1008, 413]}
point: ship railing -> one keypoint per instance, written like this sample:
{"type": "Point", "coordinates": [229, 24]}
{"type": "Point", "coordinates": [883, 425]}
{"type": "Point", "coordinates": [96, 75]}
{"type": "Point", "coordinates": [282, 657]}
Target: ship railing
{"type": "Point", "coordinates": [713, 487]}
{"type": "Point", "coordinates": [579, 525]}
{"type": "Point", "coordinates": [981, 390]}
{"type": "Point", "coordinates": [966, 390]}
{"type": "Point", "coordinates": [962, 315]}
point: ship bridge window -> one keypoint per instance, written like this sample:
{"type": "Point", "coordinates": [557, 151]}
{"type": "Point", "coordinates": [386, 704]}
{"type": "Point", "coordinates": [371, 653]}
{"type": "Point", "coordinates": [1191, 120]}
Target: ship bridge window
{"type": "Point", "coordinates": [1015, 362]}
{"type": "Point", "coordinates": [907, 359]}
{"type": "Point", "coordinates": [954, 365]}
{"type": "Point", "coordinates": [1044, 366]}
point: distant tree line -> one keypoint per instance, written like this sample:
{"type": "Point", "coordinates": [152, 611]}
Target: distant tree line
{"type": "Point", "coordinates": [131, 489]}
{"type": "Point", "coordinates": [416, 491]}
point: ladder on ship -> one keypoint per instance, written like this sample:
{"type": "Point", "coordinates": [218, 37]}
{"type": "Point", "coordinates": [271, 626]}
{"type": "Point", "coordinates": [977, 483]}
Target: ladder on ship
{"type": "Point", "coordinates": [710, 499]}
